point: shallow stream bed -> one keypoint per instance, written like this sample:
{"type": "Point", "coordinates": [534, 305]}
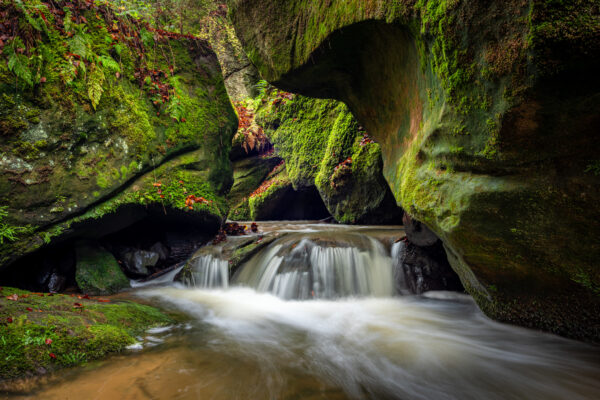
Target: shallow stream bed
{"type": "Point", "coordinates": [256, 343]}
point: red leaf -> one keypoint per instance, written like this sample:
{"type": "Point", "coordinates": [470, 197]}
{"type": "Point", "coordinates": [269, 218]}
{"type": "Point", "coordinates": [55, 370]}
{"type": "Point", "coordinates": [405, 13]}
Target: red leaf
{"type": "Point", "coordinates": [85, 296]}
{"type": "Point", "coordinates": [9, 320]}
{"type": "Point", "coordinates": [48, 342]}
{"type": "Point", "coordinates": [52, 355]}
{"type": "Point", "coordinates": [103, 300]}
{"type": "Point", "coordinates": [29, 309]}
{"type": "Point", "coordinates": [43, 79]}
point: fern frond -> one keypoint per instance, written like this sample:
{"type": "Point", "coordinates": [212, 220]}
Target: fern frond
{"type": "Point", "coordinates": [18, 63]}
{"type": "Point", "coordinates": [109, 63]}
{"type": "Point", "coordinates": [95, 80]}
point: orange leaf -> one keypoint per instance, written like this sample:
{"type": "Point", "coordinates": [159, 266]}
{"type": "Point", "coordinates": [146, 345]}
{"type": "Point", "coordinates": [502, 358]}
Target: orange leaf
{"type": "Point", "coordinates": [13, 297]}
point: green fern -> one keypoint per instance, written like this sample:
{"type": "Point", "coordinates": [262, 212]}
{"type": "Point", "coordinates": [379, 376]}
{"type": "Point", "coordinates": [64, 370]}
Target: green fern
{"type": "Point", "coordinates": [80, 43]}
{"type": "Point", "coordinates": [18, 63]}
{"type": "Point", "coordinates": [109, 63]}
{"type": "Point", "coordinates": [95, 80]}
{"type": "Point", "coordinates": [8, 232]}
{"type": "Point", "coordinates": [68, 20]}
{"type": "Point", "coordinates": [176, 110]}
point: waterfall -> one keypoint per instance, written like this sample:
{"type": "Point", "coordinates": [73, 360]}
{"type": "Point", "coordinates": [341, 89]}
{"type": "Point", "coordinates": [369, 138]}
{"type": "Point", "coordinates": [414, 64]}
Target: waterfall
{"type": "Point", "coordinates": [398, 251]}
{"type": "Point", "coordinates": [209, 272]}
{"type": "Point", "coordinates": [308, 266]}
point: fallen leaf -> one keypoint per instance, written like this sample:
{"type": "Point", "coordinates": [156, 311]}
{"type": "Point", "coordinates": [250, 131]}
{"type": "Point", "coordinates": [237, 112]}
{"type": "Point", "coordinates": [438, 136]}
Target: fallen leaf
{"type": "Point", "coordinates": [29, 309]}
{"type": "Point", "coordinates": [48, 341]}
{"type": "Point", "coordinates": [103, 300]}
{"type": "Point", "coordinates": [13, 297]}
{"type": "Point", "coordinates": [52, 355]}
{"type": "Point", "coordinates": [9, 320]}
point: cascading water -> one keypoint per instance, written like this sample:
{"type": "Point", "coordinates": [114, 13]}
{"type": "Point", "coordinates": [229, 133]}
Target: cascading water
{"type": "Point", "coordinates": [354, 340]}
{"type": "Point", "coordinates": [309, 266]}
{"type": "Point", "coordinates": [209, 272]}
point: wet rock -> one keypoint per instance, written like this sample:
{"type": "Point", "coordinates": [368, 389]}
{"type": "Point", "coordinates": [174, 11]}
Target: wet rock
{"type": "Point", "coordinates": [161, 250]}
{"type": "Point", "coordinates": [417, 233]}
{"type": "Point", "coordinates": [56, 283]}
{"type": "Point", "coordinates": [97, 271]}
{"type": "Point", "coordinates": [44, 273]}
{"type": "Point", "coordinates": [137, 262]}
{"type": "Point", "coordinates": [422, 269]}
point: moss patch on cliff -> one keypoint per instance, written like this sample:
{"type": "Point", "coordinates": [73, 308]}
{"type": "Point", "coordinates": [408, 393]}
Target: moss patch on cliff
{"type": "Point", "coordinates": [90, 103]}
{"type": "Point", "coordinates": [324, 147]}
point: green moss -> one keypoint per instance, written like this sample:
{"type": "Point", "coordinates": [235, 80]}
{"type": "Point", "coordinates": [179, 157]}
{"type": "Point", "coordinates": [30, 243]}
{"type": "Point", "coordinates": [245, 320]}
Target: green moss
{"type": "Point", "coordinates": [78, 335]}
{"type": "Point", "coordinates": [264, 202]}
{"type": "Point", "coordinates": [98, 271]}
{"type": "Point", "coordinates": [93, 148]}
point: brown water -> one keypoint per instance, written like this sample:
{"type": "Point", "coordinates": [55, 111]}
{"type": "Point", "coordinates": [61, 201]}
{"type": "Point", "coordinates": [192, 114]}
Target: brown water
{"type": "Point", "coordinates": [245, 343]}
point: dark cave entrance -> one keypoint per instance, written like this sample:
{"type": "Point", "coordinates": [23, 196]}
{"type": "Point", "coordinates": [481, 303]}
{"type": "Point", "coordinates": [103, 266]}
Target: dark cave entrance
{"type": "Point", "coordinates": [151, 237]}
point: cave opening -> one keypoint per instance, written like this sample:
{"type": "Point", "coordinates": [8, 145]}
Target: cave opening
{"type": "Point", "coordinates": [142, 240]}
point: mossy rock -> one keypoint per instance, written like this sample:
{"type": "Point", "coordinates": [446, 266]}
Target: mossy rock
{"type": "Point", "coordinates": [66, 155]}
{"type": "Point", "coordinates": [267, 204]}
{"type": "Point", "coordinates": [321, 139]}
{"type": "Point", "coordinates": [486, 114]}
{"type": "Point", "coordinates": [97, 271]}
{"type": "Point", "coordinates": [248, 174]}
{"type": "Point", "coordinates": [79, 333]}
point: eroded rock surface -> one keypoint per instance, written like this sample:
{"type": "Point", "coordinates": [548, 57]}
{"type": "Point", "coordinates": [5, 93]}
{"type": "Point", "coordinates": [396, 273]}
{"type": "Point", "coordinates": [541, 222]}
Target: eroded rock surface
{"type": "Point", "coordinates": [486, 113]}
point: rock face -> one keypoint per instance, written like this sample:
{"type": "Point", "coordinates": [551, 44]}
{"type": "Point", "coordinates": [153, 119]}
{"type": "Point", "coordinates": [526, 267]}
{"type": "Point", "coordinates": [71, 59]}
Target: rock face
{"type": "Point", "coordinates": [325, 149]}
{"type": "Point", "coordinates": [486, 113]}
{"type": "Point", "coordinates": [97, 271]}
{"type": "Point", "coordinates": [312, 136]}
{"type": "Point", "coordinates": [103, 133]}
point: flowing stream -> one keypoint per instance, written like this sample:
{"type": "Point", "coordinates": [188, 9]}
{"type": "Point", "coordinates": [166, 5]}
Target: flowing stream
{"type": "Point", "coordinates": [318, 314]}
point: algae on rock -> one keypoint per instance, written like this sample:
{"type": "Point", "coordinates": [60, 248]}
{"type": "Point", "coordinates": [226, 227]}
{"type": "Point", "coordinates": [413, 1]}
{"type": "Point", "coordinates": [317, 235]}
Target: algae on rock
{"type": "Point", "coordinates": [486, 113]}
{"type": "Point", "coordinates": [97, 271]}
{"type": "Point", "coordinates": [73, 143]}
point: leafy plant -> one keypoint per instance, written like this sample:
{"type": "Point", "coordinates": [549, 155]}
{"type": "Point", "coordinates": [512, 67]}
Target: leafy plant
{"type": "Point", "coordinates": [95, 80]}
{"type": "Point", "coordinates": [10, 232]}
{"type": "Point", "coordinates": [18, 62]}
{"type": "Point", "coordinates": [73, 358]}
{"type": "Point", "coordinates": [593, 168]}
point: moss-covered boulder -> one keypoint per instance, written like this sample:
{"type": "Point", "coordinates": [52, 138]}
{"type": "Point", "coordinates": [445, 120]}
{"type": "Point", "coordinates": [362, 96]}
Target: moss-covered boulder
{"type": "Point", "coordinates": [268, 201]}
{"type": "Point", "coordinates": [98, 112]}
{"type": "Point", "coordinates": [97, 271]}
{"type": "Point", "coordinates": [325, 148]}
{"type": "Point", "coordinates": [486, 113]}
{"type": "Point", "coordinates": [248, 174]}
{"type": "Point", "coordinates": [43, 332]}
